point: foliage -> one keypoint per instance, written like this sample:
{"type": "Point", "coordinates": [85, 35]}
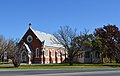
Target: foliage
{"type": "Point", "coordinates": [110, 37]}
{"type": "Point", "coordinates": [84, 41]}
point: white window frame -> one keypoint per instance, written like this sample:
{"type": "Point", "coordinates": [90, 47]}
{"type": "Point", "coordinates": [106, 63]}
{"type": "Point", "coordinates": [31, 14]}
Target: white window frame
{"type": "Point", "coordinates": [29, 36]}
{"type": "Point", "coordinates": [53, 53]}
{"type": "Point", "coordinates": [63, 53]}
{"type": "Point", "coordinates": [47, 52]}
{"type": "Point", "coordinates": [58, 53]}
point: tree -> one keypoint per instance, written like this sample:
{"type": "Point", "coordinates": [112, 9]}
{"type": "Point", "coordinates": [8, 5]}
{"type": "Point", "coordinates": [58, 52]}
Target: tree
{"type": "Point", "coordinates": [73, 43]}
{"type": "Point", "coordinates": [10, 47]}
{"type": "Point", "coordinates": [13, 52]}
{"type": "Point", "coordinates": [84, 42]}
{"type": "Point", "coordinates": [65, 36]}
{"type": "Point", "coordinates": [2, 46]}
{"type": "Point", "coordinates": [16, 57]}
{"type": "Point", "coordinates": [98, 46]}
{"type": "Point", "coordinates": [109, 36]}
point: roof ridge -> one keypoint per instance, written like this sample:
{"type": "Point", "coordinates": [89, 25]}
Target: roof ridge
{"type": "Point", "coordinates": [40, 31]}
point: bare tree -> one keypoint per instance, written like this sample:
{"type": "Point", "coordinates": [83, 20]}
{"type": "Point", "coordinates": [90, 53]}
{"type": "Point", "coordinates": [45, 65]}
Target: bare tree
{"type": "Point", "coordinates": [9, 46]}
{"type": "Point", "coordinates": [3, 46]}
{"type": "Point", "coordinates": [65, 36]}
{"type": "Point", "coordinates": [13, 52]}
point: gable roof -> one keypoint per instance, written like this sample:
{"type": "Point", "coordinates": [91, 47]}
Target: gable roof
{"type": "Point", "coordinates": [46, 38]}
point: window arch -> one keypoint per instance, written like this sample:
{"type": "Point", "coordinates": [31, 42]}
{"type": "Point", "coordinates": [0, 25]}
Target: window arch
{"type": "Point", "coordinates": [63, 52]}
{"type": "Point", "coordinates": [23, 56]}
{"type": "Point", "coordinates": [58, 53]}
{"type": "Point", "coordinates": [37, 52]}
{"type": "Point", "coordinates": [53, 53]}
{"type": "Point", "coordinates": [46, 52]}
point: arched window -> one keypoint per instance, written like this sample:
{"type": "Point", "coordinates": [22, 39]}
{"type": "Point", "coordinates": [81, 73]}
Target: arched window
{"type": "Point", "coordinates": [23, 56]}
{"type": "Point", "coordinates": [37, 52]}
{"type": "Point", "coordinates": [46, 52]}
{"type": "Point", "coordinates": [63, 52]}
{"type": "Point", "coordinates": [53, 53]}
{"type": "Point", "coordinates": [58, 53]}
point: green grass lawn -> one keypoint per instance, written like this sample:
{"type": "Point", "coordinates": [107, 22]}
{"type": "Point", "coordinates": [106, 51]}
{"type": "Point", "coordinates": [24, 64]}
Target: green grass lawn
{"type": "Point", "coordinates": [61, 66]}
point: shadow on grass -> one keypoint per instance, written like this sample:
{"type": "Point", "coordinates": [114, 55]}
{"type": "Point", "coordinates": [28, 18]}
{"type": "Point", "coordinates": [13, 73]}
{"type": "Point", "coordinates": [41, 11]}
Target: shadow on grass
{"type": "Point", "coordinates": [100, 65]}
{"type": "Point", "coordinates": [112, 65]}
{"type": "Point", "coordinates": [6, 67]}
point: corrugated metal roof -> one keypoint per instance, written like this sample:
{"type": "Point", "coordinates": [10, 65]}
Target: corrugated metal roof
{"type": "Point", "coordinates": [46, 38]}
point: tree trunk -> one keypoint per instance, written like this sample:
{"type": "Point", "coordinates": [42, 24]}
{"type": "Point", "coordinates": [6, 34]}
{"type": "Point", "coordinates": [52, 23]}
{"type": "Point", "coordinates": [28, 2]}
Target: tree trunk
{"type": "Point", "coordinates": [116, 60]}
{"type": "Point", "coordinates": [70, 61]}
{"type": "Point", "coordinates": [90, 58]}
{"type": "Point", "coordinates": [110, 60]}
{"type": "Point", "coordinates": [16, 63]}
{"type": "Point", "coordinates": [101, 59]}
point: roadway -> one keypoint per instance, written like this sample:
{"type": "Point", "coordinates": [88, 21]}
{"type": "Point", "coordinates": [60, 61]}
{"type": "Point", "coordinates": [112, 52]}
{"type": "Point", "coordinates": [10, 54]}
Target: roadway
{"type": "Point", "coordinates": [80, 72]}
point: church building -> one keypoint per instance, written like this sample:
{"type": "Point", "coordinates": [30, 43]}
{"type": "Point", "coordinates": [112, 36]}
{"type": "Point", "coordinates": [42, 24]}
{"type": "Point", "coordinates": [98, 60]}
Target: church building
{"type": "Point", "coordinates": [38, 47]}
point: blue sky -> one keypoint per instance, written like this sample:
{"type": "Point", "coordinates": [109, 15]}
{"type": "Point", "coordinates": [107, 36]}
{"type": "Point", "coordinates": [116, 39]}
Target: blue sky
{"type": "Point", "coordinates": [48, 15]}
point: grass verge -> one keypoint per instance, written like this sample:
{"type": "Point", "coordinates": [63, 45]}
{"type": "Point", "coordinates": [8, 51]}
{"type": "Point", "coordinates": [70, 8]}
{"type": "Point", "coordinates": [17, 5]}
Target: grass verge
{"type": "Point", "coordinates": [61, 66]}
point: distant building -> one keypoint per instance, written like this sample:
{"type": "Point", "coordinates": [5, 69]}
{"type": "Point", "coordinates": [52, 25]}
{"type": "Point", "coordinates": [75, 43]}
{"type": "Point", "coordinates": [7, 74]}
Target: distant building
{"type": "Point", "coordinates": [38, 47]}
{"type": "Point", "coordinates": [88, 57]}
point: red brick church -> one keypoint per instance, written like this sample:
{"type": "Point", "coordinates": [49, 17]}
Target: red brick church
{"type": "Point", "coordinates": [38, 47]}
